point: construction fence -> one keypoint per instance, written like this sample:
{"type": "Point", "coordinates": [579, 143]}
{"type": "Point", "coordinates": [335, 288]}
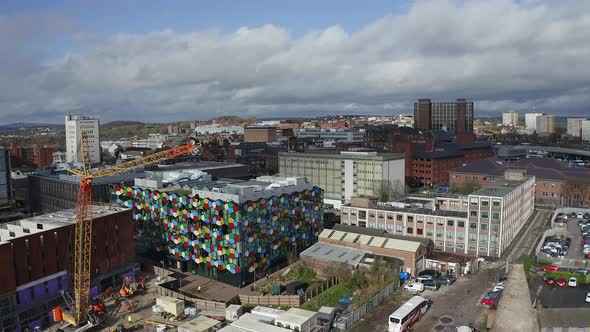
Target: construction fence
{"type": "Point", "coordinates": [273, 300]}
{"type": "Point", "coordinates": [346, 320]}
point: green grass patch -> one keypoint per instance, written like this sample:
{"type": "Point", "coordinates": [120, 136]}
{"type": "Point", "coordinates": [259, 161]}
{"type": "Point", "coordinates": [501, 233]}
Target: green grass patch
{"type": "Point", "coordinates": [330, 297]}
{"type": "Point", "coordinates": [582, 279]}
{"type": "Point", "coordinates": [527, 262]}
{"type": "Point", "coordinates": [542, 262]}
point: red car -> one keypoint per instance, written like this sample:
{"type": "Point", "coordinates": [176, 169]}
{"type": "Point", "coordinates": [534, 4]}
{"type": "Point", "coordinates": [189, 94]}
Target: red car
{"type": "Point", "coordinates": [587, 255]}
{"type": "Point", "coordinates": [550, 281]}
{"type": "Point", "coordinates": [489, 299]}
{"type": "Point", "coordinates": [550, 268]}
{"type": "Point", "coordinates": [562, 281]}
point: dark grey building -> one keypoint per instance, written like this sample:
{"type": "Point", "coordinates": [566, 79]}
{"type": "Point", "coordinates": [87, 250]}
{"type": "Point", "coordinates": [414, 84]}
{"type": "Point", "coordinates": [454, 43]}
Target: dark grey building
{"type": "Point", "coordinates": [455, 116]}
{"type": "Point", "coordinates": [5, 179]}
{"type": "Point", "coordinates": [55, 192]}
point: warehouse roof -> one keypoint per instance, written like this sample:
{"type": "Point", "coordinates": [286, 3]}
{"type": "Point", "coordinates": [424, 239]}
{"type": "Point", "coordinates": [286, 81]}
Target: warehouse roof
{"type": "Point", "coordinates": [19, 228]}
{"type": "Point", "coordinates": [373, 241]}
{"type": "Point", "coordinates": [199, 324]}
{"type": "Point", "coordinates": [296, 316]}
{"type": "Point", "coordinates": [500, 188]}
{"type": "Point", "coordinates": [335, 253]}
{"type": "Point", "coordinates": [254, 326]}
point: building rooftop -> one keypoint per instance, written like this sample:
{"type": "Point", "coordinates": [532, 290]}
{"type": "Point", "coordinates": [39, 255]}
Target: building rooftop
{"type": "Point", "coordinates": [380, 233]}
{"type": "Point", "coordinates": [200, 324]}
{"type": "Point", "coordinates": [296, 316]}
{"type": "Point", "coordinates": [500, 188]}
{"type": "Point", "coordinates": [365, 155]}
{"type": "Point", "coordinates": [200, 165]}
{"type": "Point", "coordinates": [417, 210]}
{"type": "Point", "coordinates": [371, 241]}
{"type": "Point", "coordinates": [255, 326]}
{"type": "Point", "coordinates": [24, 227]}
{"type": "Point", "coordinates": [335, 253]}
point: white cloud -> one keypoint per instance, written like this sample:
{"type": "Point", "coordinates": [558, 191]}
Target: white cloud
{"type": "Point", "coordinates": [501, 54]}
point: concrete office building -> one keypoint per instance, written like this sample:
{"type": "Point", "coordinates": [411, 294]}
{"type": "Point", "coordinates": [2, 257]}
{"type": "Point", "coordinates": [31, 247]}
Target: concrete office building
{"type": "Point", "coordinates": [260, 134]}
{"type": "Point", "coordinates": [338, 135]}
{"type": "Point", "coordinates": [75, 126]}
{"type": "Point", "coordinates": [37, 262]}
{"type": "Point", "coordinates": [574, 127]}
{"type": "Point", "coordinates": [530, 121]}
{"type": "Point", "coordinates": [345, 175]}
{"type": "Point", "coordinates": [510, 119]}
{"type": "Point", "coordinates": [5, 178]}
{"type": "Point", "coordinates": [455, 116]}
{"type": "Point", "coordinates": [586, 130]}
{"type": "Point", "coordinates": [484, 223]}
{"type": "Point", "coordinates": [545, 124]}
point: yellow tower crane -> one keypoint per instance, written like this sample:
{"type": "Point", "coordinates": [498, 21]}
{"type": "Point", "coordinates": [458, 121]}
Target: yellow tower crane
{"type": "Point", "coordinates": [79, 314]}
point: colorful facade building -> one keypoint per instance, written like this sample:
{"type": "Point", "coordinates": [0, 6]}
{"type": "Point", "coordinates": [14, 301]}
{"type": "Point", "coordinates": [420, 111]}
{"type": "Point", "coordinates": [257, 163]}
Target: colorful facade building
{"type": "Point", "coordinates": [232, 232]}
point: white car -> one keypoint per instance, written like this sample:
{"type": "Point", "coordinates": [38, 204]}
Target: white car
{"type": "Point", "coordinates": [580, 216]}
{"type": "Point", "coordinates": [499, 287]}
{"type": "Point", "coordinates": [465, 329]}
{"type": "Point", "coordinates": [588, 298]}
{"type": "Point", "coordinates": [414, 287]}
{"type": "Point", "coordinates": [573, 282]}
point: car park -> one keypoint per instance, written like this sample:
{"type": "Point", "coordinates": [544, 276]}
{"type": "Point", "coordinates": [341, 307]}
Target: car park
{"type": "Point", "coordinates": [562, 281]}
{"type": "Point", "coordinates": [550, 268]}
{"type": "Point", "coordinates": [573, 282]}
{"type": "Point", "coordinates": [550, 281]}
{"type": "Point", "coordinates": [490, 298]}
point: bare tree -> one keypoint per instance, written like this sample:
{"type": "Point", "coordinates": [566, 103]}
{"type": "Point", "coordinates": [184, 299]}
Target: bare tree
{"type": "Point", "coordinates": [388, 190]}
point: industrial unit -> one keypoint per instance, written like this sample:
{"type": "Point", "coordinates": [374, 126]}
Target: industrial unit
{"type": "Point", "coordinates": [227, 231]}
{"type": "Point", "coordinates": [37, 259]}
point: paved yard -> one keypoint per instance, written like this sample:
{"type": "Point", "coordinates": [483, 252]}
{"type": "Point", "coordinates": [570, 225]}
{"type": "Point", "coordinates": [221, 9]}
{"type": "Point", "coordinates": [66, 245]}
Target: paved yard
{"type": "Point", "coordinates": [564, 297]}
{"type": "Point", "coordinates": [451, 306]}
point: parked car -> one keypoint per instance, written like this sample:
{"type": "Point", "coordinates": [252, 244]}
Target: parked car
{"type": "Point", "coordinates": [431, 285]}
{"type": "Point", "coordinates": [504, 277]}
{"type": "Point", "coordinates": [573, 282]}
{"type": "Point", "coordinates": [573, 215]}
{"type": "Point", "coordinates": [562, 281]}
{"type": "Point", "coordinates": [550, 281]}
{"type": "Point", "coordinates": [587, 256]}
{"type": "Point", "coordinates": [414, 287]}
{"type": "Point", "coordinates": [561, 214]}
{"type": "Point", "coordinates": [445, 280]}
{"type": "Point", "coordinates": [465, 328]}
{"type": "Point", "coordinates": [587, 297]}
{"type": "Point", "coordinates": [586, 215]}
{"type": "Point", "coordinates": [490, 298]}
{"type": "Point", "coordinates": [424, 277]}
{"type": "Point", "coordinates": [430, 272]}
{"type": "Point", "coordinates": [499, 287]}
{"type": "Point", "coordinates": [550, 268]}
{"type": "Point", "coordinates": [579, 216]}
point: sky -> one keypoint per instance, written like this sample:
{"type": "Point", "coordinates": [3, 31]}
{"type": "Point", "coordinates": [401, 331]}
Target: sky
{"type": "Point", "coordinates": [164, 61]}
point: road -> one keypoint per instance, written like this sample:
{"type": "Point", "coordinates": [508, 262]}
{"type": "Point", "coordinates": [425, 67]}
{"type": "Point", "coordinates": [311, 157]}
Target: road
{"type": "Point", "coordinates": [528, 237]}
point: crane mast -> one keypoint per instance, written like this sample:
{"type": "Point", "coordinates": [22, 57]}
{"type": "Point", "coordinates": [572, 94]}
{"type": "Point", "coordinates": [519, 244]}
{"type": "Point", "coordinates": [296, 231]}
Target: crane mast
{"type": "Point", "coordinates": [83, 226]}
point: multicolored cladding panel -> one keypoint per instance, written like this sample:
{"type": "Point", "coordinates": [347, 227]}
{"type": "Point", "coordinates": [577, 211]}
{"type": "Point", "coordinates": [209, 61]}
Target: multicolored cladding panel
{"type": "Point", "coordinates": [226, 235]}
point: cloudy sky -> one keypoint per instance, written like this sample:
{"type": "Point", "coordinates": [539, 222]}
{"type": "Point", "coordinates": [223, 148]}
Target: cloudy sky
{"type": "Point", "coordinates": [174, 60]}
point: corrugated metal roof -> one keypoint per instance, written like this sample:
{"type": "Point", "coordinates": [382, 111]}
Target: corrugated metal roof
{"type": "Point", "coordinates": [375, 241]}
{"type": "Point", "coordinates": [335, 253]}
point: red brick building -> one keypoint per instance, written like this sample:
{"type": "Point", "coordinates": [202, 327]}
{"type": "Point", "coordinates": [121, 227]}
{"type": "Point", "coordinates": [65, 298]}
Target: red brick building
{"type": "Point", "coordinates": [40, 156]}
{"type": "Point", "coordinates": [555, 184]}
{"type": "Point", "coordinates": [429, 160]}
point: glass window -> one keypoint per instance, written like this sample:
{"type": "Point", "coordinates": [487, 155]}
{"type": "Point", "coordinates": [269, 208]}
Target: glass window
{"type": "Point", "coordinates": [389, 228]}
{"type": "Point", "coordinates": [485, 214]}
{"type": "Point", "coordinates": [450, 235]}
{"type": "Point", "coordinates": [496, 203]}
{"type": "Point", "coordinates": [472, 237]}
{"type": "Point", "coordinates": [460, 235]}
{"type": "Point", "coordinates": [399, 217]}
{"type": "Point", "coordinates": [439, 233]}
{"type": "Point", "coordinates": [473, 225]}
{"type": "Point", "coordinates": [429, 232]}
{"type": "Point", "coordinates": [473, 213]}
{"type": "Point", "coordinates": [419, 231]}
{"type": "Point", "coordinates": [410, 219]}
{"type": "Point", "coordinates": [362, 214]}
{"type": "Point", "coordinates": [450, 222]}
{"type": "Point", "coordinates": [461, 224]}
{"type": "Point", "coordinates": [483, 227]}
{"type": "Point", "coordinates": [496, 215]}
{"type": "Point", "coordinates": [399, 228]}
{"type": "Point", "coordinates": [410, 230]}
{"type": "Point", "coordinates": [485, 202]}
